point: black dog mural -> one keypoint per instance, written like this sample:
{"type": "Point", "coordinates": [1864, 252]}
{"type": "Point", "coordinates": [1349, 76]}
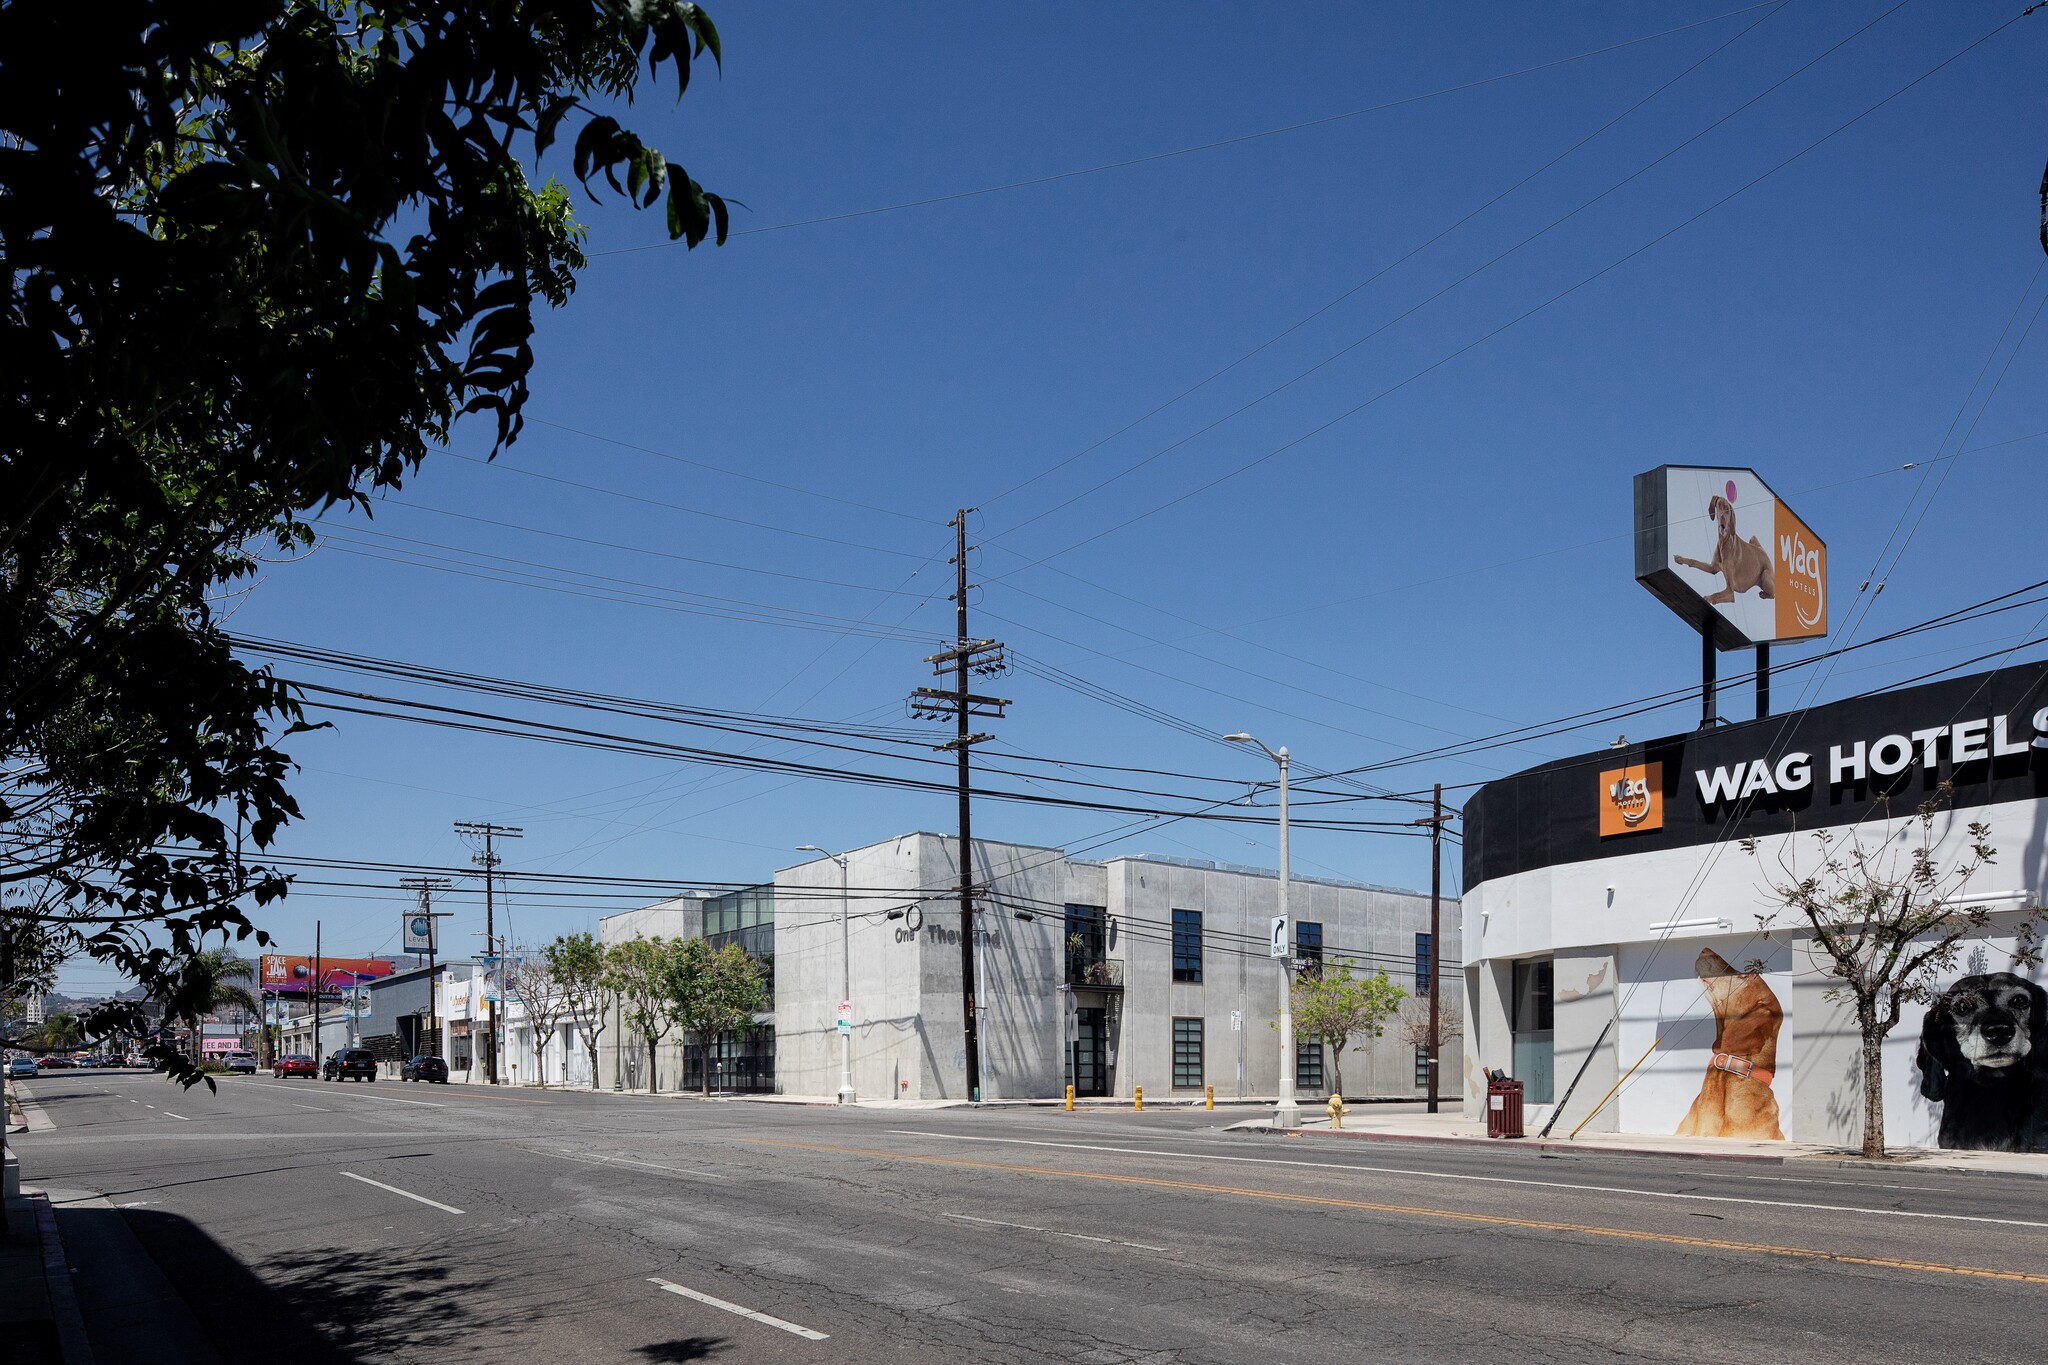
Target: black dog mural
{"type": "Point", "coordinates": [1984, 1059]}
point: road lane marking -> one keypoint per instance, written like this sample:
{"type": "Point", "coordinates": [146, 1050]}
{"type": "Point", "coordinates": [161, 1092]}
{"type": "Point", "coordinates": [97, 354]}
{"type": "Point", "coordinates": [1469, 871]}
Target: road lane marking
{"type": "Point", "coordinates": [1488, 1179]}
{"type": "Point", "coordinates": [445, 1208]}
{"type": "Point", "coordinates": [1445, 1215]}
{"type": "Point", "coordinates": [595, 1159]}
{"type": "Point", "coordinates": [314, 1107]}
{"type": "Point", "coordinates": [1026, 1227]}
{"type": "Point", "coordinates": [806, 1333]}
{"type": "Point", "coordinates": [179, 1117]}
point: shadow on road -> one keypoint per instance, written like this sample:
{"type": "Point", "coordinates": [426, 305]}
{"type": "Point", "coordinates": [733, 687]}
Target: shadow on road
{"type": "Point", "coordinates": [682, 1348]}
{"type": "Point", "coordinates": [333, 1306]}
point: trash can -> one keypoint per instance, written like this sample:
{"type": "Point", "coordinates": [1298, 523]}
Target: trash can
{"type": "Point", "coordinates": [1503, 1108]}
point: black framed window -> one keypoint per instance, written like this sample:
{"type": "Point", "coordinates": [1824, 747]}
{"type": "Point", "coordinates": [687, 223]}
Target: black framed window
{"type": "Point", "coordinates": [1187, 1054]}
{"type": "Point", "coordinates": [1425, 959]}
{"type": "Point", "coordinates": [1308, 1065]}
{"type": "Point", "coordinates": [1187, 946]}
{"type": "Point", "coordinates": [1422, 1066]}
{"type": "Point", "coordinates": [1308, 946]}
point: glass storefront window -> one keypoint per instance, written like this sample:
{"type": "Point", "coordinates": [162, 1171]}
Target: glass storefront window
{"type": "Point", "coordinates": [1534, 1022]}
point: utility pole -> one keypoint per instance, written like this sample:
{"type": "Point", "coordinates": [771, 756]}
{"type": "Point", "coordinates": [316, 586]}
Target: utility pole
{"type": "Point", "coordinates": [317, 982]}
{"type": "Point", "coordinates": [1435, 821]}
{"type": "Point", "coordinates": [488, 860]}
{"type": "Point", "coordinates": [425, 887]}
{"type": "Point", "coordinates": [967, 656]}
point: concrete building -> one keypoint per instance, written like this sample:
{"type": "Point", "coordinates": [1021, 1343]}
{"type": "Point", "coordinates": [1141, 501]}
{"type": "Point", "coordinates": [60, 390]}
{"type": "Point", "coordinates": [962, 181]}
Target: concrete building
{"type": "Point", "coordinates": [1615, 921]}
{"type": "Point", "coordinates": [1137, 971]}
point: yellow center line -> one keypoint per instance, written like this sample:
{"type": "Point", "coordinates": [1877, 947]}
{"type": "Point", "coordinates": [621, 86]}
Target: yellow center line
{"type": "Point", "coordinates": [1450, 1215]}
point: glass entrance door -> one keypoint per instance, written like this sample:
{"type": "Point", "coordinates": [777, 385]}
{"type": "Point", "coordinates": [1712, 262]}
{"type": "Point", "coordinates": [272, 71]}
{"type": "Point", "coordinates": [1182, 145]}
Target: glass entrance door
{"type": "Point", "coordinates": [1088, 1068]}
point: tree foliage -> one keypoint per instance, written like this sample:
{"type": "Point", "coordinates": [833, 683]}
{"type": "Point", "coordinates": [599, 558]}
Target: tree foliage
{"type": "Point", "coordinates": [575, 964]}
{"type": "Point", "coordinates": [261, 256]}
{"type": "Point", "coordinates": [639, 973]}
{"type": "Point", "coordinates": [1888, 919]}
{"type": "Point", "coordinates": [1334, 1007]}
{"type": "Point", "coordinates": [713, 991]}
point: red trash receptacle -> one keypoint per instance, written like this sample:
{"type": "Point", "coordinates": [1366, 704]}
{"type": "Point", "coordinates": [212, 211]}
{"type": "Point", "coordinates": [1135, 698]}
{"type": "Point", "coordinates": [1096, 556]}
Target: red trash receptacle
{"type": "Point", "coordinates": [1504, 1109]}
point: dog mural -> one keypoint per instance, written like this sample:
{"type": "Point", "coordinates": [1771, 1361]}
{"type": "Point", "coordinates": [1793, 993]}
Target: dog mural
{"type": "Point", "coordinates": [1984, 1058]}
{"type": "Point", "coordinates": [1742, 564]}
{"type": "Point", "coordinates": [1735, 1099]}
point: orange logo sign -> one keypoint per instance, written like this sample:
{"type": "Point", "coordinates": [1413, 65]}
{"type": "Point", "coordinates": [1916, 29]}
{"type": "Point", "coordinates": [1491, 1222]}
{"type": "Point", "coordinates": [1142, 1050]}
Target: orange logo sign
{"type": "Point", "coordinates": [1632, 799]}
{"type": "Point", "coordinates": [1802, 579]}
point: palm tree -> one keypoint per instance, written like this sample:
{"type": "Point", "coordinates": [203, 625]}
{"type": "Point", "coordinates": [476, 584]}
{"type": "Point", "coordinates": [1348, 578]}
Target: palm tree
{"type": "Point", "coordinates": [216, 976]}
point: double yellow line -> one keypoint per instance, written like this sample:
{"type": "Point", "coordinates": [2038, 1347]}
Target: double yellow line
{"type": "Point", "coordinates": [1446, 1215]}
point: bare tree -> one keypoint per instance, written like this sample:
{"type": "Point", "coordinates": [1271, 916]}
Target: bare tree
{"type": "Point", "coordinates": [1411, 1024]}
{"type": "Point", "coordinates": [547, 1005]}
{"type": "Point", "coordinates": [1889, 916]}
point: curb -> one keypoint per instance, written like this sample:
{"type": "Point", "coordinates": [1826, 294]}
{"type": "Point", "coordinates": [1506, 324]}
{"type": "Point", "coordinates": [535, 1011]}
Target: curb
{"type": "Point", "coordinates": [1915, 1160]}
{"type": "Point", "coordinates": [72, 1342]}
{"type": "Point", "coordinates": [1534, 1145]}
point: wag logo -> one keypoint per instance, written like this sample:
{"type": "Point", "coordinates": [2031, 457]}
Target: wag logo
{"type": "Point", "coordinates": [1802, 578]}
{"type": "Point", "coordinates": [1632, 799]}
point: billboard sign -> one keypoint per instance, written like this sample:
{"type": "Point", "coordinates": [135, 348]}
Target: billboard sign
{"type": "Point", "coordinates": [419, 933]}
{"type": "Point", "coordinates": [291, 974]}
{"type": "Point", "coordinates": [1721, 549]}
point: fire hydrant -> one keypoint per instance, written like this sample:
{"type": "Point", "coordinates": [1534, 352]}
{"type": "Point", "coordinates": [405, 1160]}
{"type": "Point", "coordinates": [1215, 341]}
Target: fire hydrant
{"type": "Point", "coordinates": [1336, 1111]}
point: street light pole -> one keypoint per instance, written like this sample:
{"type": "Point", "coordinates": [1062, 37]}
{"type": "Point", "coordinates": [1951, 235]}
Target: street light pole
{"type": "Point", "coordinates": [1287, 1113]}
{"type": "Point", "coordinates": [846, 1094]}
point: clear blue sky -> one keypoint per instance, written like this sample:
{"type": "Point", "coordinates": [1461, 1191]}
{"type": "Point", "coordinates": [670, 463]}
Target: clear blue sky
{"type": "Point", "coordinates": [1395, 572]}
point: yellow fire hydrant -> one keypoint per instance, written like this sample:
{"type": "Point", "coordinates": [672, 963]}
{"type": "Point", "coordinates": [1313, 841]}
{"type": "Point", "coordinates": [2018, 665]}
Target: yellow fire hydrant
{"type": "Point", "coordinates": [1138, 1097]}
{"type": "Point", "coordinates": [1070, 1099]}
{"type": "Point", "coordinates": [1209, 1097]}
{"type": "Point", "coordinates": [1336, 1111]}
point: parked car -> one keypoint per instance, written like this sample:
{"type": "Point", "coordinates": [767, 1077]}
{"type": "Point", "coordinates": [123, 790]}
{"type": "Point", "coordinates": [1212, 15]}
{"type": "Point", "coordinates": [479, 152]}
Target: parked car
{"type": "Point", "coordinates": [242, 1063]}
{"type": "Point", "coordinates": [350, 1063]}
{"type": "Point", "coordinates": [423, 1068]}
{"type": "Point", "coordinates": [295, 1064]}
{"type": "Point", "coordinates": [54, 1062]}
{"type": "Point", "coordinates": [21, 1068]}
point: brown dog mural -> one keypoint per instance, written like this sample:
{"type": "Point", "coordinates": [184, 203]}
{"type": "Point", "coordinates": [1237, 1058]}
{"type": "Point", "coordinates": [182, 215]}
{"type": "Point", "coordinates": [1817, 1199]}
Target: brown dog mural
{"type": "Point", "coordinates": [1742, 564]}
{"type": "Point", "coordinates": [1735, 1099]}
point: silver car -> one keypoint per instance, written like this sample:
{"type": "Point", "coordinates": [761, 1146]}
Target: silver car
{"type": "Point", "coordinates": [21, 1068]}
{"type": "Point", "coordinates": [242, 1063]}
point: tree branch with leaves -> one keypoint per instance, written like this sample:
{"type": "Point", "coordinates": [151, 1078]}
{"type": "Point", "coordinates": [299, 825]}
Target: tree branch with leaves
{"type": "Point", "coordinates": [260, 260]}
{"type": "Point", "coordinates": [1334, 1007]}
{"type": "Point", "coordinates": [575, 963]}
{"type": "Point", "coordinates": [1889, 916]}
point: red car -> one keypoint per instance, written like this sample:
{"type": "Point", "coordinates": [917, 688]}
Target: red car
{"type": "Point", "coordinates": [297, 1064]}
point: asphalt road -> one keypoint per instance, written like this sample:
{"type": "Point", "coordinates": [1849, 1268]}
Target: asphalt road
{"type": "Point", "coordinates": [306, 1222]}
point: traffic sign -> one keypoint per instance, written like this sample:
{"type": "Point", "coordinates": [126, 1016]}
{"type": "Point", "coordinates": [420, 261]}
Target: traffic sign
{"type": "Point", "coordinates": [1279, 947]}
{"type": "Point", "coordinates": [846, 1016]}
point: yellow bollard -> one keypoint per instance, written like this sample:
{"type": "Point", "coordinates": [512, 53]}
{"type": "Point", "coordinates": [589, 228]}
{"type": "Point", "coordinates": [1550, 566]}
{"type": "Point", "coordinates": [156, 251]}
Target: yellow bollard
{"type": "Point", "coordinates": [1070, 1099]}
{"type": "Point", "coordinates": [1208, 1097]}
{"type": "Point", "coordinates": [1138, 1098]}
{"type": "Point", "coordinates": [1336, 1111]}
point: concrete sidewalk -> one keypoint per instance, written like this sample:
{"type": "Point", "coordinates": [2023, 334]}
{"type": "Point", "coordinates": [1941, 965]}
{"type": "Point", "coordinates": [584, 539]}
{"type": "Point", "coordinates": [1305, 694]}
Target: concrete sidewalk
{"type": "Point", "coordinates": [1363, 1123]}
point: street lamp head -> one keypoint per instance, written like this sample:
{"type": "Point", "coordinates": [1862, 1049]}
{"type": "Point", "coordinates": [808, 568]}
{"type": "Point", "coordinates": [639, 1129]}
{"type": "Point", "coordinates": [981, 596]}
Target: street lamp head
{"type": "Point", "coordinates": [809, 848]}
{"type": "Point", "coordinates": [1241, 738]}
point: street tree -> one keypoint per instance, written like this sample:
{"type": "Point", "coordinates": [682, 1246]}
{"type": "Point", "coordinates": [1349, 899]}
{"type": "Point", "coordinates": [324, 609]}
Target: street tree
{"type": "Point", "coordinates": [575, 963]}
{"type": "Point", "coordinates": [260, 260]}
{"type": "Point", "coordinates": [209, 980]}
{"type": "Point", "coordinates": [546, 1004]}
{"type": "Point", "coordinates": [712, 992]}
{"type": "Point", "coordinates": [1334, 1006]}
{"type": "Point", "coordinates": [1888, 918]}
{"type": "Point", "coordinates": [1411, 1022]}
{"type": "Point", "coordinates": [639, 969]}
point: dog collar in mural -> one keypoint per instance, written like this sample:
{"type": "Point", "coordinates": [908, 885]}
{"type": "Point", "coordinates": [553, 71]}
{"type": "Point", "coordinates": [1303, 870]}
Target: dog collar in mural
{"type": "Point", "coordinates": [1741, 1067]}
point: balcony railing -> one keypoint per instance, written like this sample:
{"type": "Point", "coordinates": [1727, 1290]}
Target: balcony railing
{"type": "Point", "coordinates": [1094, 973]}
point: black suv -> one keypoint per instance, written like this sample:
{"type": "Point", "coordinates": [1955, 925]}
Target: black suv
{"type": "Point", "coordinates": [356, 1063]}
{"type": "Point", "coordinates": [423, 1068]}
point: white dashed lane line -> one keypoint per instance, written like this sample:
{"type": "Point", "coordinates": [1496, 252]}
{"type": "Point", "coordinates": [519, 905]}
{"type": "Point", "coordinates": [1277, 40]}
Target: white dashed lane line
{"type": "Point", "coordinates": [701, 1297]}
{"type": "Point", "coordinates": [419, 1198]}
{"type": "Point", "coordinates": [1053, 1232]}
